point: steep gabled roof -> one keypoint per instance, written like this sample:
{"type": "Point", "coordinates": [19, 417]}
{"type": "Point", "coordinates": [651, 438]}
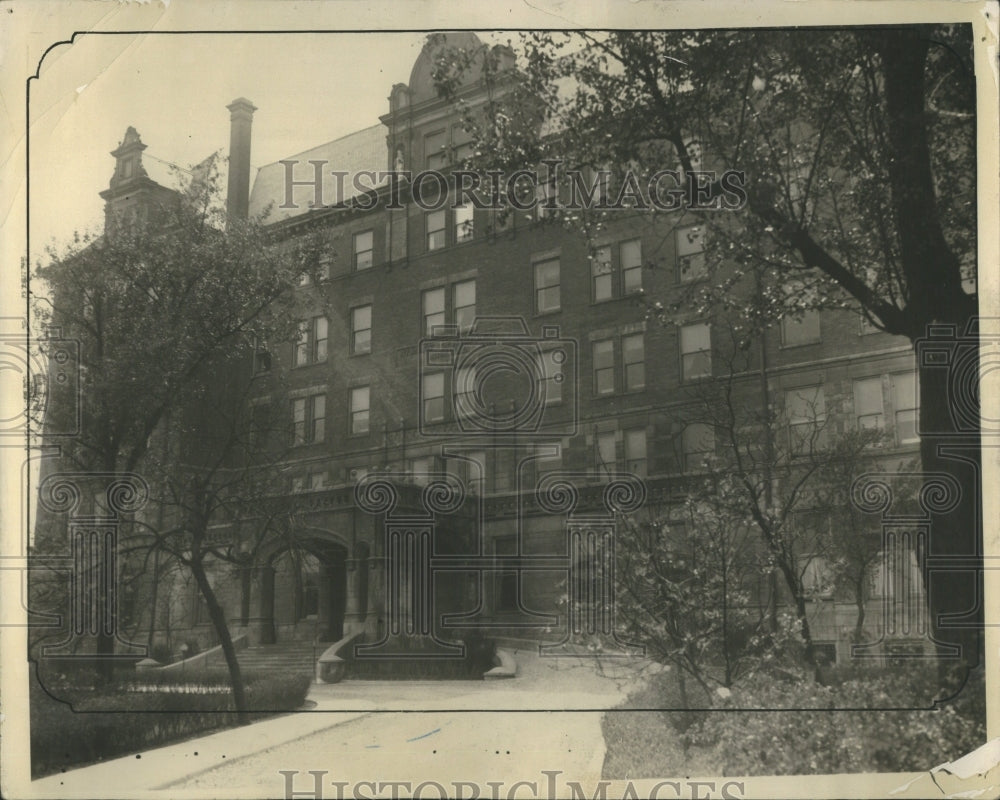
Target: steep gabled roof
{"type": "Point", "coordinates": [362, 150]}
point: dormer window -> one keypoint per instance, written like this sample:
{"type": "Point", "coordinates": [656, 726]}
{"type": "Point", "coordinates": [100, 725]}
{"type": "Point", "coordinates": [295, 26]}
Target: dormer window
{"type": "Point", "coordinates": [128, 165]}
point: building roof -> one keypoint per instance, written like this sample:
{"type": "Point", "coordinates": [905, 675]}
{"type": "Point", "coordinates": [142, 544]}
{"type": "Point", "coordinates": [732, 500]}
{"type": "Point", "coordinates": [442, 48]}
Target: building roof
{"type": "Point", "coordinates": [362, 150]}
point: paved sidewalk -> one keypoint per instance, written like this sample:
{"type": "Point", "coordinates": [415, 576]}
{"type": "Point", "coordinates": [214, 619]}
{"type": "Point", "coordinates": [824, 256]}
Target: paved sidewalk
{"type": "Point", "coordinates": [387, 730]}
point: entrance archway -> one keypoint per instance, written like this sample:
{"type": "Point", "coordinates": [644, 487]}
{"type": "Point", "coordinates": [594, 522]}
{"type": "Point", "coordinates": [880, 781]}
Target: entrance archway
{"type": "Point", "coordinates": [303, 592]}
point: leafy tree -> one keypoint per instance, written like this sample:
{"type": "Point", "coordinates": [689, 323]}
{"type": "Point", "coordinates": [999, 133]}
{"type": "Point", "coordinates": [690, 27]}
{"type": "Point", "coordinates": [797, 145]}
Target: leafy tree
{"type": "Point", "coordinates": [858, 151]}
{"type": "Point", "coordinates": [162, 305]}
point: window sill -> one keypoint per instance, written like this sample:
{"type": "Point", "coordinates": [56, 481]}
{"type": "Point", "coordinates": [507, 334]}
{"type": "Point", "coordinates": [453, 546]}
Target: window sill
{"type": "Point", "coordinates": [792, 346]}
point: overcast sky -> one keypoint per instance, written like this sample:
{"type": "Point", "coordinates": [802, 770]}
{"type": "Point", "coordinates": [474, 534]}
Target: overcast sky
{"type": "Point", "coordinates": [308, 88]}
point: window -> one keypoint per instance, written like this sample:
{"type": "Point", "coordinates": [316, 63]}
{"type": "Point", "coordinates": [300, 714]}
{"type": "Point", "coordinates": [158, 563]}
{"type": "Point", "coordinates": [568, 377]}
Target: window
{"type": "Point", "coordinates": [634, 354]}
{"type": "Point", "coordinates": [435, 153]}
{"type": "Point", "coordinates": [261, 359]}
{"type": "Point", "coordinates": [691, 265]}
{"type": "Point", "coordinates": [461, 142]}
{"type": "Point", "coordinates": [545, 195]}
{"type": "Point", "coordinates": [605, 454]}
{"type": "Point", "coordinates": [698, 443]}
{"type": "Point", "coordinates": [435, 229]}
{"type": "Point", "coordinates": [310, 347]}
{"type": "Point", "coordinates": [868, 404]}
{"type": "Point", "coordinates": [316, 480]}
{"type": "Point", "coordinates": [361, 330]}
{"type": "Point", "coordinates": [631, 258]}
{"type": "Point", "coordinates": [696, 351]}
{"type": "Point", "coordinates": [547, 285]}
{"type": "Point", "coordinates": [433, 396]}
{"type": "Point", "coordinates": [635, 452]}
{"type": "Point", "coordinates": [905, 407]}
{"type": "Point", "coordinates": [604, 367]}
{"type": "Point", "coordinates": [601, 274]}
{"type": "Point", "coordinates": [805, 410]}
{"type": "Point", "coordinates": [420, 469]}
{"type": "Point", "coordinates": [364, 250]}
{"type": "Point", "coordinates": [260, 425]}
{"type": "Point", "coordinates": [605, 281]}
{"type": "Point", "coordinates": [434, 316]}
{"type": "Point", "coordinates": [464, 223]}
{"type": "Point", "coordinates": [464, 302]}
{"type": "Point", "coordinates": [309, 419]}
{"type": "Point", "coordinates": [476, 471]}
{"type": "Point", "coordinates": [550, 366]}
{"type": "Point", "coordinates": [360, 409]}
{"type": "Point", "coordinates": [802, 327]}
{"type": "Point", "coordinates": [865, 326]}
{"type": "Point", "coordinates": [465, 391]}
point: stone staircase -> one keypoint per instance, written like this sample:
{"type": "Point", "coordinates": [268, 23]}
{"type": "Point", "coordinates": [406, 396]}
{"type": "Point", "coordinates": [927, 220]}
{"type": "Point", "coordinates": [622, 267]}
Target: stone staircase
{"type": "Point", "coordinates": [292, 657]}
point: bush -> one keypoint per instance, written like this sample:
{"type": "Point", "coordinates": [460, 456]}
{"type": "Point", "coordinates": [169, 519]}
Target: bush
{"type": "Point", "coordinates": [118, 720]}
{"type": "Point", "coordinates": [822, 739]}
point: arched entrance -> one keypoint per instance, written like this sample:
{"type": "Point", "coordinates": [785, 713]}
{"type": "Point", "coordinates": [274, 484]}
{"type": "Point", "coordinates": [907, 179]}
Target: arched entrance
{"type": "Point", "coordinates": [303, 592]}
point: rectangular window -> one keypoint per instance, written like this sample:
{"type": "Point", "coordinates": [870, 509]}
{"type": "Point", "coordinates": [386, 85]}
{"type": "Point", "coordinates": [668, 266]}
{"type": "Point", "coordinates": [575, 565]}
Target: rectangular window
{"type": "Point", "coordinates": [635, 452]}
{"type": "Point", "coordinates": [464, 229]}
{"type": "Point", "coordinates": [547, 285]}
{"type": "Point", "coordinates": [465, 387]}
{"type": "Point", "coordinates": [364, 250]}
{"type": "Point", "coordinates": [631, 259]}
{"type": "Point", "coordinates": [546, 197]}
{"type": "Point", "coordinates": [361, 329]}
{"type": "Point", "coordinates": [320, 338]}
{"type": "Point", "coordinates": [435, 229]}
{"type": "Point", "coordinates": [318, 418]}
{"type": "Point", "coordinates": [433, 396]}
{"type": "Point", "coordinates": [464, 302]}
{"type": "Point", "coordinates": [604, 367]}
{"type": "Point", "coordinates": [308, 419]}
{"type": "Point", "coordinates": [691, 265]}
{"type": "Point", "coordinates": [476, 470]}
{"type": "Point", "coordinates": [805, 410]}
{"type": "Point", "coordinates": [311, 343]}
{"type": "Point", "coordinates": [634, 355]}
{"type": "Point", "coordinates": [420, 469]}
{"type": "Point", "coordinates": [433, 308]}
{"type": "Point", "coordinates": [803, 329]}
{"type": "Point", "coordinates": [302, 344]}
{"type": "Point", "coordinates": [550, 370]}
{"type": "Point", "coordinates": [299, 420]}
{"type": "Point", "coordinates": [905, 407]}
{"type": "Point", "coordinates": [697, 442]}
{"type": "Point", "coordinates": [435, 149]}
{"type": "Point", "coordinates": [868, 404]}
{"type": "Point", "coordinates": [696, 351]}
{"type": "Point", "coordinates": [605, 454]}
{"type": "Point", "coordinates": [316, 480]}
{"type": "Point", "coordinates": [601, 274]}
{"type": "Point", "coordinates": [360, 409]}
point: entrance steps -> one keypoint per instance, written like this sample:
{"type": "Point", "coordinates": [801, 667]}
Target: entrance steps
{"type": "Point", "coordinates": [297, 657]}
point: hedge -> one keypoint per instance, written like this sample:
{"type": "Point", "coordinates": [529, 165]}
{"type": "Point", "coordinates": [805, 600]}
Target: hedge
{"type": "Point", "coordinates": [143, 713]}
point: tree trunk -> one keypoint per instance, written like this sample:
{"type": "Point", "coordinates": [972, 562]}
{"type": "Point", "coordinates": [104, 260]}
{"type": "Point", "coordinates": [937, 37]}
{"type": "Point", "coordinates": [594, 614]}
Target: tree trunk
{"type": "Point", "coordinates": [859, 602]}
{"type": "Point", "coordinates": [950, 444]}
{"type": "Point", "coordinates": [218, 617]}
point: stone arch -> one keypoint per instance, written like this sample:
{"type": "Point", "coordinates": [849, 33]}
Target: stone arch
{"type": "Point", "coordinates": [303, 588]}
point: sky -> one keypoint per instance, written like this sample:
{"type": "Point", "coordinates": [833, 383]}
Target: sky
{"type": "Point", "coordinates": [174, 89]}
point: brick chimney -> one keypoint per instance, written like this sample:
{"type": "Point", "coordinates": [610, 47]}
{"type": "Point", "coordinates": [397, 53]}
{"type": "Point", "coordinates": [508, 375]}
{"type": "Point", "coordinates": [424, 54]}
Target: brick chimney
{"type": "Point", "coordinates": [238, 195]}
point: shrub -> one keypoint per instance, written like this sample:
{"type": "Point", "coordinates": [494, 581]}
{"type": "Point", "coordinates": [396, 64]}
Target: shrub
{"type": "Point", "coordinates": [118, 720]}
{"type": "Point", "coordinates": [821, 739]}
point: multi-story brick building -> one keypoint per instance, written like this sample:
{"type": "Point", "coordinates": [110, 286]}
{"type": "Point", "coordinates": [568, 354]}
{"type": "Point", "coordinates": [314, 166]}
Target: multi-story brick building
{"type": "Point", "coordinates": [496, 349]}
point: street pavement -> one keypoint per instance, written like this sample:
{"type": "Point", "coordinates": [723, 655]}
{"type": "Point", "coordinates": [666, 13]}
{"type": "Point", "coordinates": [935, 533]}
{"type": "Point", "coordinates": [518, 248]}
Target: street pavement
{"type": "Point", "coordinates": [542, 726]}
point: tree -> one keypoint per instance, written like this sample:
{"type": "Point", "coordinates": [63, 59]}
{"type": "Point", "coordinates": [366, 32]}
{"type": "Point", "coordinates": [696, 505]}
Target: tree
{"type": "Point", "coordinates": [858, 151]}
{"type": "Point", "coordinates": [156, 303]}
